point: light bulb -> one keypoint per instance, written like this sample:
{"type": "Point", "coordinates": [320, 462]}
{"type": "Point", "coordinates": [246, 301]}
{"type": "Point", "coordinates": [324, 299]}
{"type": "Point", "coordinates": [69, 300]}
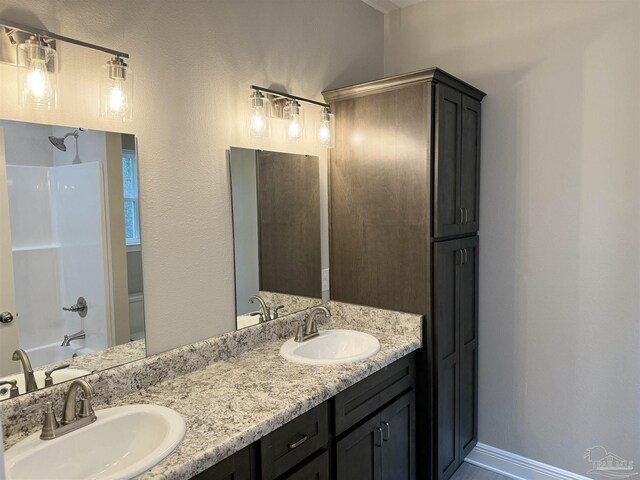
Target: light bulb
{"type": "Point", "coordinates": [258, 123]}
{"type": "Point", "coordinates": [116, 90]}
{"type": "Point", "coordinates": [117, 99]}
{"type": "Point", "coordinates": [324, 134]}
{"type": "Point", "coordinates": [37, 82]}
{"type": "Point", "coordinates": [37, 78]}
{"type": "Point", "coordinates": [325, 130]}
{"type": "Point", "coordinates": [259, 115]}
{"type": "Point", "coordinates": [295, 131]}
{"type": "Point", "coordinates": [295, 114]}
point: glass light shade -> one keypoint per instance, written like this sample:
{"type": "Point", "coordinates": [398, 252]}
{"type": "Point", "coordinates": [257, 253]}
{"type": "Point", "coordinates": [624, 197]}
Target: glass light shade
{"type": "Point", "coordinates": [259, 117]}
{"type": "Point", "coordinates": [326, 128]}
{"type": "Point", "coordinates": [116, 90]}
{"type": "Point", "coordinates": [294, 114]}
{"type": "Point", "coordinates": [37, 74]}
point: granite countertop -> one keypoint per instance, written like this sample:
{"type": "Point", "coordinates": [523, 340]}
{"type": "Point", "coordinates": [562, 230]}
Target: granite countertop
{"type": "Point", "coordinates": [231, 404]}
{"type": "Point", "coordinates": [232, 389]}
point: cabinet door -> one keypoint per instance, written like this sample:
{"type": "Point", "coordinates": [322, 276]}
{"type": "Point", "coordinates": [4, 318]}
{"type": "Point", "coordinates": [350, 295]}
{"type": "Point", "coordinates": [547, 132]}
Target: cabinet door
{"type": "Point", "coordinates": [447, 257]}
{"type": "Point", "coordinates": [455, 314]}
{"type": "Point", "coordinates": [398, 425]}
{"type": "Point", "coordinates": [456, 163]}
{"type": "Point", "coordinates": [316, 469]}
{"type": "Point", "coordinates": [468, 315]}
{"type": "Point", "coordinates": [358, 454]}
{"type": "Point", "coordinates": [470, 166]}
{"type": "Point", "coordinates": [239, 466]}
{"type": "Point", "coordinates": [447, 216]}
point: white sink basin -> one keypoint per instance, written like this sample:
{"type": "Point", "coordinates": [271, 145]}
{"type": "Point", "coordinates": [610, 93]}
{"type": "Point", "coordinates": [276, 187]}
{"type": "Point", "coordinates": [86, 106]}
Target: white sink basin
{"type": "Point", "coordinates": [122, 443]}
{"type": "Point", "coordinates": [332, 347]}
{"type": "Point", "coordinates": [58, 376]}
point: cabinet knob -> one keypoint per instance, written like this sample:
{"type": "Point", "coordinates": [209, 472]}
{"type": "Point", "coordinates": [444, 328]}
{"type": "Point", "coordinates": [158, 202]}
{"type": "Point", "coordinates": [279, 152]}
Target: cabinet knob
{"type": "Point", "coordinates": [6, 317]}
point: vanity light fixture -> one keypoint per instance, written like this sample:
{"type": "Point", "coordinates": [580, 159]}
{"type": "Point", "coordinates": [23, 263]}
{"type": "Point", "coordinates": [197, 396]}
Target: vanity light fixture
{"type": "Point", "coordinates": [265, 103]}
{"type": "Point", "coordinates": [116, 90]}
{"type": "Point", "coordinates": [294, 113]}
{"type": "Point", "coordinates": [259, 115]}
{"type": "Point", "coordinates": [37, 62]}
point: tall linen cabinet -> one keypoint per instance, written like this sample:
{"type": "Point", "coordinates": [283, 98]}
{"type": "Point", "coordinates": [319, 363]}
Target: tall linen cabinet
{"type": "Point", "coordinates": [404, 203]}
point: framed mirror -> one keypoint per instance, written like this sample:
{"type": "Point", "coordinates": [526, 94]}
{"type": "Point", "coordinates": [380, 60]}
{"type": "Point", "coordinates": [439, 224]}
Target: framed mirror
{"type": "Point", "coordinates": [71, 291]}
{"type": "Point", "coordinates": [275, 200]}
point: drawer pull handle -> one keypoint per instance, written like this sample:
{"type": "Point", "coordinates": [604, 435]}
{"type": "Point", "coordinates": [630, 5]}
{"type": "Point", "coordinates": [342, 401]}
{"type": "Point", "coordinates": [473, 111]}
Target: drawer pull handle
{"type": "Point", "coordinates": [298, 443]}
{"type": "Point", "coordinates": [386, 431]}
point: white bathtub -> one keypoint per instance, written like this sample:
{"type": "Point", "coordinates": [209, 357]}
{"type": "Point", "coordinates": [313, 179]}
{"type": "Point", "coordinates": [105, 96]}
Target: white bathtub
{"type": "Point", "coordinates": [52, 353]}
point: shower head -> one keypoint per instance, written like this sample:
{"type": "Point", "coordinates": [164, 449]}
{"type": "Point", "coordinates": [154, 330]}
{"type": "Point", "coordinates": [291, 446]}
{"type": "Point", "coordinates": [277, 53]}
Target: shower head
{"type": "Point", "coordinates": [58, 142]}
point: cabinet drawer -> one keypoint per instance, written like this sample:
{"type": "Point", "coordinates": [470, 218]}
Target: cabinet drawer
{"type": "Point", "coordinates": [368, 395]}
{"type": "Point", "coordinates": [295, 441]}
{"type": "Point", "coordinates": [316, 469]}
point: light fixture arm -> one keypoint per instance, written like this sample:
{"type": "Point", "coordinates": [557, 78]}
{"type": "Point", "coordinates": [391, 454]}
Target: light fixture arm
{"type": "Point", "coordinates": [45, 34]}
{"type": "Point", "coordinates": [286, 95]}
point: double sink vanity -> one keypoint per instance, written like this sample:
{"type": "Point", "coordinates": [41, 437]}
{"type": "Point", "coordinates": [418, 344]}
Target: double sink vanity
{"type": "Point", "coordinates": [249, 404]}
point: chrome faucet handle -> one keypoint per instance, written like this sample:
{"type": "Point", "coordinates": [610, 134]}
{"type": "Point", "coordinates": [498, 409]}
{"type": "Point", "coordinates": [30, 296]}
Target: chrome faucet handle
{"type": "Point", "coordinates": [300, 332]}
{"type": "Point", "coordinates": [275, 311]}
{"type": "Point", "coordinates": [261, 319]}
{"type": "Point", "coordinates": [80, 307]}
{"type": "Point", "coordinates": [50, 423]}
{"type": "Point", "coordinates": [48, 380]}
{"type": "Point", "coordinates": [13, 391]}
{"type": "Point", "coordinates": [86, 409]}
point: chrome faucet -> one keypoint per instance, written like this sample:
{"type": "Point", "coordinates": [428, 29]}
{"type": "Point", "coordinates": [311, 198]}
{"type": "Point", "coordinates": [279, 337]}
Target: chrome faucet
{"type": "Point", "coordinates": [308, 328]}
{"type": "Point", "coordinates": [29, 379]}
{"type": "Point", "coordinates": [86, 415]}
{"type": "Point", "coordinates": [74, 336]}
{"type": "Point", "coordinates": [71, 419]}
{"type": "Point", "coordinates": [266, 311]}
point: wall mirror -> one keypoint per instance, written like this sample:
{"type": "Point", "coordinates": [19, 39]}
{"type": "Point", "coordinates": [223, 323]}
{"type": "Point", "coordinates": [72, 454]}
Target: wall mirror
{"type": "Point", "coordinates": [71, 292]}
{"type": "Point", "coordinates": [275, 200]}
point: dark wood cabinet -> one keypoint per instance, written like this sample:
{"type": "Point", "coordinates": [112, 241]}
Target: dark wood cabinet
{"type": "Point", "coordinates": [381, 448]}
{"type": "Point", "coordinates": [404, 178]}
{"type": "Point", "coordinates": [366, 431]}
{"type": "Point", "coordinates": [455, 313]}
{"type": "Point", "coordinates": [239, 466]}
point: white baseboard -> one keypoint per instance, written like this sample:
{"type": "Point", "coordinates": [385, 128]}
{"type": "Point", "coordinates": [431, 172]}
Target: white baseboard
{"type": "Point", "coordinates": [515, 466]}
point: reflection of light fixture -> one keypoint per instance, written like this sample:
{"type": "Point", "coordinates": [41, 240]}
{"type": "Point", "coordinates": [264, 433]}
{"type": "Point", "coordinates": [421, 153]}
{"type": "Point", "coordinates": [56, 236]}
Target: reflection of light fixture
{"type": "Point", "coordinates": [116, 90]}
{"type": "Point", "coordinates": [295, 114]}
{"type": "Point", "coordinates": [259, 115]}
{"type": "Point", "coordinates": [326, 129]}
{"type": "Point", "coordinates": [37, 75]}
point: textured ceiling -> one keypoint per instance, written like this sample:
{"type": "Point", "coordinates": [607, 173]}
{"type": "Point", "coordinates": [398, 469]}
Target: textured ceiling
{"type": "Point", "coordinates": [385, 6]}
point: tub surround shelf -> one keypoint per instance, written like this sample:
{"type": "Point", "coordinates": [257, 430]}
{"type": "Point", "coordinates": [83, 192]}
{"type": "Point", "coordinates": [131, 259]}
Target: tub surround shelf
{"type": "Point", "coordinates": [234, 389]}
{"type": "Point", "coordinates": [29, 248]}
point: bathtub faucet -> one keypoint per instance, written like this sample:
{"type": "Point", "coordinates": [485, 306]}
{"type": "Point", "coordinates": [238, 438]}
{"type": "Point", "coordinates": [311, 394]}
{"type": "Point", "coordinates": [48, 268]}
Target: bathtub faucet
{"type": "Point", "coordinates": [74, 336]}
{"type": "Point", "coordinates": [29, 380]}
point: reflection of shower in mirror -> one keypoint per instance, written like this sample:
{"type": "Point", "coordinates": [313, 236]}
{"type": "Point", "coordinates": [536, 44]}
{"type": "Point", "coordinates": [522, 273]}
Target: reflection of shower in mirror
{"type": "Point", "coordinates": [59, 142]}
{"type": "Point", "coordinates": [74, 233]}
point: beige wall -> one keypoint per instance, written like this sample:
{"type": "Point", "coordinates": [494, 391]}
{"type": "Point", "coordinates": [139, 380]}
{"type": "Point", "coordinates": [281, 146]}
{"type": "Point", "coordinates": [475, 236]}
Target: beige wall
{"type": "Point", "coordinates": [193, 64]}
{"type": "Point", "coordinates": [560, 213]}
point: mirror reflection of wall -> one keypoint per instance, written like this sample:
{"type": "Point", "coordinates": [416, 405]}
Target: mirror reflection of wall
{"type": "Point", "coordinates": [276, 225]}
{"type": "Point", "coordinates": [70, 258]}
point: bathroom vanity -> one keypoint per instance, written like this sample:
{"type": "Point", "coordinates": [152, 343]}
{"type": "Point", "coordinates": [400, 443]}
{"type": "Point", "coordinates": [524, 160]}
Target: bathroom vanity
{"type": "Point", "coordinates": [245, 405]}
{"type": "Point", "coordinates": [365, 431]}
